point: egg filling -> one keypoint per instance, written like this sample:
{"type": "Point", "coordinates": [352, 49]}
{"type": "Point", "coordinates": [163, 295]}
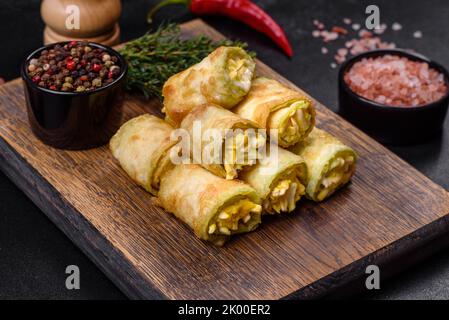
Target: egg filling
{"type": "Point", "coordinates": [240, 72]}
{"type": "Point", "coordinates": [163, 165]}
{"type": "Point", "coordinates": [235, 218]}
{"type": "Point", "coordinates": [242, 143]}
{"type": "Point", "coordinates": [293, 122]}
{"type": "Point", "coordinates": [284, 195]}
{"type": "Point", "coordinates": [338, 173]}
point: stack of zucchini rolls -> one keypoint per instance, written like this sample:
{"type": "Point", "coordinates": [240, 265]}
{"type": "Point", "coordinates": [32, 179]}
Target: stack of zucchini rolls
{"type": "Point", "coordinates": [229, 195]}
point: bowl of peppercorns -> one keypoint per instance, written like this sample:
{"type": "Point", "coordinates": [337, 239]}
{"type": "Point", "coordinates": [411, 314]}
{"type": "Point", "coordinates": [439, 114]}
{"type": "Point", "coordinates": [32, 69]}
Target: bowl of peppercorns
{"type": "Point", "coordinates": [74, 93]}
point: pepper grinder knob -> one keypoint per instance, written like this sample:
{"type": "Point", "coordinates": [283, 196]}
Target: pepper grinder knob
{"type": "Point", "coordinates": [91, 20]}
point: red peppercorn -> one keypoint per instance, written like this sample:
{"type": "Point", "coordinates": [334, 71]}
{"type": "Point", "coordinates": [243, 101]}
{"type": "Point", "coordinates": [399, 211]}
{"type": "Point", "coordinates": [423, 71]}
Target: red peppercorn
{"type": "Point", "coordinates": [53, 87]}
{"type": "Point", "coordinates": [96, 67]}
{"type": "Point", "coordinates": [71, 65]}
{"type": "Point", "coordinates": [36, 79]}
{"type": "Point", "coordinates": [110, 74]}
{"type": "Point", "coordinates": [84, 78]}
{"type": "Point", "coordinates": [73, 43]}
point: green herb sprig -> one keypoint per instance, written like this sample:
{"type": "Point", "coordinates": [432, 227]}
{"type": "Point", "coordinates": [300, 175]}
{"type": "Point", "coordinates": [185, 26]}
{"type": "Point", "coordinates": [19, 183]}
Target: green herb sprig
{"type": "Point", "coordinates": [156, 56]}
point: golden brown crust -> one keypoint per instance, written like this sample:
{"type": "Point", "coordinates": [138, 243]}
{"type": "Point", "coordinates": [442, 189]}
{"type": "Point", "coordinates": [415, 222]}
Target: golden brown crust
{"type": "Point", "coordinates": [140, 145]}
{"type": "Point", "coordinates": [206, 82]}
{"type": "Point", "coordinates": [195, 196]}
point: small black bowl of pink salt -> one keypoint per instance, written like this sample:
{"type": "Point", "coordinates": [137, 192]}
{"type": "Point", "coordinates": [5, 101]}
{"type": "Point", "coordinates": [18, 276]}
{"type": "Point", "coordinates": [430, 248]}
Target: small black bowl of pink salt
{"type": "Point", "coordinates": [396, 96]}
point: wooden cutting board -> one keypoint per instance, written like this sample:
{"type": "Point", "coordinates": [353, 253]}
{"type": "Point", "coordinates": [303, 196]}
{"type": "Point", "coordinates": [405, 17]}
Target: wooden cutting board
{"type": "Point", "coordinates": [389, 210]}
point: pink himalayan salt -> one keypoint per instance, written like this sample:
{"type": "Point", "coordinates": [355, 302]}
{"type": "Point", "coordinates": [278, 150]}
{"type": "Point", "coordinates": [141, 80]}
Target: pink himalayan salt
{"type": "Point", "coordinates": [417, 34]}
{"type": "Point", "coordinates": [396, 81]}
{"type": "Point", "coordinates": [347, 21]}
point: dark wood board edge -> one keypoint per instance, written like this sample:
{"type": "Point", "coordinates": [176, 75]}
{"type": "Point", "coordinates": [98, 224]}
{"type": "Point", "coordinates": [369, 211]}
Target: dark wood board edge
{"type": "Point", "coordinates": [391, 259]}
{"type": "Point", "coordinates": [73, 224]}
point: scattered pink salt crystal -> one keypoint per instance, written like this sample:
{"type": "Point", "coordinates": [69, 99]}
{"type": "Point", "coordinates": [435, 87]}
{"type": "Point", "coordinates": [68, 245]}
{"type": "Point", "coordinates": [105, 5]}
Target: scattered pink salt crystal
{"type": "Point", "coordinates": [347, 21]}
{"type": "Point", "coordinates": [340, 30]}
{"type": "Point", "coordinates": [342, 51]}
{"type": "Point", "coordinates": [329, 36]}
{"type": "Point", "coordinates": [396, 26]}
{"type": "Point", "coordinates": [316, 33]}
{"type": "Point", "coordinates": [324, 50]}
{"type": "Point", "coordinates": [380, 29]}
{"type": "Point", "coordinates": [417, 34]}
{"type": "Point", "coordinates": [365, 33]}
{"type": "Point", "coordinates": [333, 65]}
{"type": "Point", "coordinates": [356, 26]}
{"type": "Point", "coordinates": [396, 81]}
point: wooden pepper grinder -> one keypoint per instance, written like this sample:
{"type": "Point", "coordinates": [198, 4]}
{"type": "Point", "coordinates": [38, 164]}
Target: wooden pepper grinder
{"type": "Point", "coordinates": [91, 20]}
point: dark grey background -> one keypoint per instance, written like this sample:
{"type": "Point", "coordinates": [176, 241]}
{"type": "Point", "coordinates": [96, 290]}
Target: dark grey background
{"type": "Point", "coordinates": [34, 253]}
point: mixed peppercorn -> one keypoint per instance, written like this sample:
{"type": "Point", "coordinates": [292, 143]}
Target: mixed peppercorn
{"type": "Point", "coordinates": [73, 67]}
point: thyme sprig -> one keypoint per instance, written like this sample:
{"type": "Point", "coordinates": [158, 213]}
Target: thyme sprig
{"type": "Point", "coordinates": [156, 56]}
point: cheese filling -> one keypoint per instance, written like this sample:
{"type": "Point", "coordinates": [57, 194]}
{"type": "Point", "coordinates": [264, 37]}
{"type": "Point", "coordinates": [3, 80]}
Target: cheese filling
{"type": "Point", "coordinates": [339, 173]}
{"type": "Point", "coordinates": [233, 218]}
{"type": "Point", "coordinates": [240, 73]}
{"type": "Point", "coordinates": [293, 122]}
{"type": "Point", "coordinates": [245, 146]}
{"type": "Point", "coordinates": [162, 166]}
{"type": "Point", "coordinates": [284, 195]}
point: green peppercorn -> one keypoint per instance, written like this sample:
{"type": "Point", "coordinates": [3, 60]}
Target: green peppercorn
{"type": "Point", "coordinates": [80, 89]}
{"type": "Point", "coordinates": [68, 79]}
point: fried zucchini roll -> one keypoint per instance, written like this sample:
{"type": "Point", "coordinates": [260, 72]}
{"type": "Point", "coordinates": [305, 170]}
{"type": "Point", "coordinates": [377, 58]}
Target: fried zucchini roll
{"type": "Point", "coordinates": [142, 147]}
{"type": "Point", "coordinates": [330, 163]}
{"type": "Point", "coordinates": [279, 181]}
{"type": "Point", "coordinates": [213, 207]}
{"type": "Point", "coordinates": [239, 140]}
{"type": "Point", "coordinates": [222, 78]}
{"type": "Point", "coordinates": [273, 106]}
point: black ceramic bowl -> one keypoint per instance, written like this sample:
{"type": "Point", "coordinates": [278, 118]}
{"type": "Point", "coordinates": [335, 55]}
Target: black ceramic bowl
{"type": "Point", "coordinates": [389, 124]}
{"type": "Point", "coordinates": [75, 120]}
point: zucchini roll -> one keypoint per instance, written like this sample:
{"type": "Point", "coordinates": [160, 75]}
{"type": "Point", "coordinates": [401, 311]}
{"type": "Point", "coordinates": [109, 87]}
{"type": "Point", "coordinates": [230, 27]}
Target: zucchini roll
{"type": "Point", "coordinates": [273, 106]}
{"type": "Point", "coordinates": [142, 146]}
{"type": "Point", "coordinates": [330, 163]}
{"type": "Point", "coordinates": [239, 144]}
{"type": "Point", "coordinates": [279, 181]}
{"type": "Point", "coordinates": [213, 207]}
{"type": "Point", "coordinates": [222, 78]}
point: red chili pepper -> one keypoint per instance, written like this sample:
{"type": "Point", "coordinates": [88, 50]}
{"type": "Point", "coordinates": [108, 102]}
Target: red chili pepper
{"type": "Point", "coordinates": [242, 10]}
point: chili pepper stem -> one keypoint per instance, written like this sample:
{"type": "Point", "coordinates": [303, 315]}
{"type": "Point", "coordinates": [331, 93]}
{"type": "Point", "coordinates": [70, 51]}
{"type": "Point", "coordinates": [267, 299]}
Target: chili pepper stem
{"type": "Point", "coordinates": [163, 4]}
